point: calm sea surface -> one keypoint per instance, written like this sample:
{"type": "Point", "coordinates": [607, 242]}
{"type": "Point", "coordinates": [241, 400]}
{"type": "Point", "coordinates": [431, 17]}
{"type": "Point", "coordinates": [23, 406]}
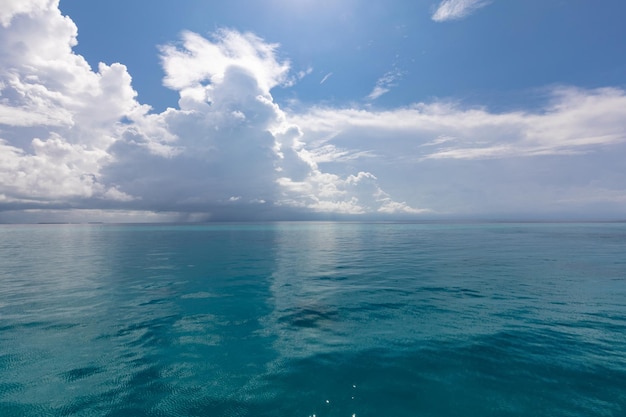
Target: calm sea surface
{"type": "Point", "coordinates": [303, 319]}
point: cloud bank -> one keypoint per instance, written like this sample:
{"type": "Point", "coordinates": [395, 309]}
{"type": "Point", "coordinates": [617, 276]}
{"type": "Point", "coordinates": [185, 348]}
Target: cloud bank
{"type": "Point", "coordinates": [560, 159]}
{"type": "Point", "coordinates": [457, 9]}
{"type": "Point", "coordinates": [574, 121]}
{"type": "Point", "coordinates": [76, 143]}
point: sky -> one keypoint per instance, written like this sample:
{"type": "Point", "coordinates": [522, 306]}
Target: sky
{"type": "Point", "coordinates": [197, 110]}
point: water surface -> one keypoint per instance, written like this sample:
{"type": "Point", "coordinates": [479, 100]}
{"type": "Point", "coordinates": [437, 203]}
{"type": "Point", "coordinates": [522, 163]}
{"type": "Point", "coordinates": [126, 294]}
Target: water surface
{"type": "Point", "coordinates": [302, 319]}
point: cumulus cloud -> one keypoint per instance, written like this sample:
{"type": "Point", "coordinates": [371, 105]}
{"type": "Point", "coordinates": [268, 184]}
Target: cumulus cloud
{"type": "Point", "coordinates": [75, 140]}
{"type": "Point", "coordinates": [13, 8]}
{"type": "Point", "coordinates": [72, 137]}
{"type": "Point", "coordinates": [234, 145]}
{"type": "Point", "coordinates": [53, 138]}
{"type": "Point", "coordinates": [457, 9]}
{"type": "Point", "coordinates": [201, 62]}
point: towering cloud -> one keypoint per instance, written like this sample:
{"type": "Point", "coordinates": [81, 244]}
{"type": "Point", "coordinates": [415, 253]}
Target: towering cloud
{"type": "Point", "coordinates": [72, 137]}
{"type": "Point", "coordinates": [57, 116]}
{"type": "Point", "coordinates": [232, 148]}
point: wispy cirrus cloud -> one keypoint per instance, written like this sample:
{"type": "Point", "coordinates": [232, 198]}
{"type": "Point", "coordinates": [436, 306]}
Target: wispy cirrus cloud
{"type": "Point", "coordinates": [385, 83]}
{"type": "Point", "coordinates": [326, 77]}
{"type": "Point", "coordinates": [457, 9]}
{"type": "Point", "coordinates": [574, 121]}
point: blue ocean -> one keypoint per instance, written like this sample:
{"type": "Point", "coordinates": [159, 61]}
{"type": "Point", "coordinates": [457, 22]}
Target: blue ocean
{"type": "Point", "coordinates": [313, 319]}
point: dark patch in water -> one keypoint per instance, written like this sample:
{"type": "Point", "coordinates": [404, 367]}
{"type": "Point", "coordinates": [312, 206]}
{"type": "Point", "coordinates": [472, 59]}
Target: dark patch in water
{"type": "Point", "coordinates": [309, 317]}
{"type": "Point", "coordinates": [80, 373]}
{"type": "Point", "coordinates": [6, 388]}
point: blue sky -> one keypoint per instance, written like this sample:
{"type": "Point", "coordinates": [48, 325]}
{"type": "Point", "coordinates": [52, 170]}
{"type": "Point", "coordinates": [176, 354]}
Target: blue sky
{"type": "Point", "coordinates": [280, 109]}
{"type": "Point", "coordinates": [499, 55]}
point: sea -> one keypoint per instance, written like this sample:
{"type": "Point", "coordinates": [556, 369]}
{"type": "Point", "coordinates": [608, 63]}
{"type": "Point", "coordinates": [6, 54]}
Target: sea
{"type": "Point", "coordinates": [303, 319]}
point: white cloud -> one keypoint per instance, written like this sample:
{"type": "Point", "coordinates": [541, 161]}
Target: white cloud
{"type": "Point", "coordinates": [439, 140]}
{"type": "Point", "coordinates": [11, 8]}
{"type": "Point", "coordinates": [53, 138]}
{"type": "Point", "coordinates": [575, 121]}
{"type": "Point", "coordinates": [377, 92]}
{"type": "Point", "coordinates": [293, 80]}
{"type": "Point", "coordinates": [384, 84]}
{"type": "Point", "coordinates": [454, 159]}
{"type": "Point", "coordinates": [457, 9]}
{"type": "Point", "coordinates": [230, 150]}
{"type": "Point", "coordinates": [234, 140]}
{"type": "Point", "coordinates": [326, 77]}
{"type": "Point", "coordinates": [198, 61]}
{"type": "Point", "coordinates": [354, 195]}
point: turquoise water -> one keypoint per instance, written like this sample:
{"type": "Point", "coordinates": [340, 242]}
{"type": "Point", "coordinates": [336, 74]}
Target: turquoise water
{"type": "Point", "coordinates": [303, 319]}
